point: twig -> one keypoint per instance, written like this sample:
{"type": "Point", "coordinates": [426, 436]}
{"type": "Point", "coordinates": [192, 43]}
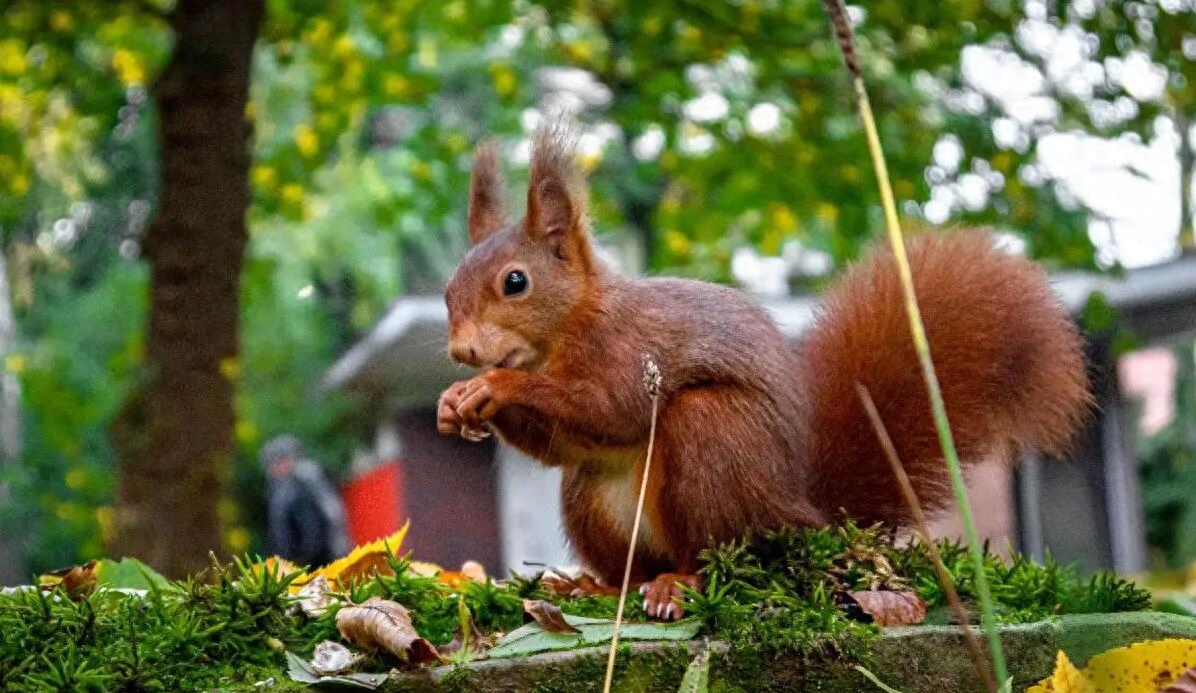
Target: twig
{"type": "Point", "coordinates": [842, 26]}
{"type": "Point", "coordinates": [652, 381]}
{"type": "Point", "coordinates": [915, 509]}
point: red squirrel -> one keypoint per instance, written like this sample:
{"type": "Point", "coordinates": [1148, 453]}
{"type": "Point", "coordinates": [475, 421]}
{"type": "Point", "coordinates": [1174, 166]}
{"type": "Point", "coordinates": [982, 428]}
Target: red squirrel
{"type": "Point", "coordinates": [753, 435]}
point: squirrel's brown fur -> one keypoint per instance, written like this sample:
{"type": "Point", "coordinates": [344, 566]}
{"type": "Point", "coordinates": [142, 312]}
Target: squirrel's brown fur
{"type": "Point", "coordinates": [752, 435]}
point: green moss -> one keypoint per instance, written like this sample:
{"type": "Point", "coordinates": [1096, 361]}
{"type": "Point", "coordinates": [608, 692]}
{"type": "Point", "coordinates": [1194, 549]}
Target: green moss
{"type": "Point", "coordinates": [776, 600]}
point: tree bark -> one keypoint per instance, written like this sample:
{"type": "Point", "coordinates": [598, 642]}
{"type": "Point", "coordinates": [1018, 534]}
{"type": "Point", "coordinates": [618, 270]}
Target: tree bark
{"type": "Point", "coordinates": [175, 432]}
{"type": "Point", "coordinates": [12, 564]}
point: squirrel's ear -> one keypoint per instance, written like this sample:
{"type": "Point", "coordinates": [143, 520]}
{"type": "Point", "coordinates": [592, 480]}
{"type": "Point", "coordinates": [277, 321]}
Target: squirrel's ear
{"type": "Point", "coordinates": [556, 196]}
{"type": "Point", "coordinates": [486, 210]}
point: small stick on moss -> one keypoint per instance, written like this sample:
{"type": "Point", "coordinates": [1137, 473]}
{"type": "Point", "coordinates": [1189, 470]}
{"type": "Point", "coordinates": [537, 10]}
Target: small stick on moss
{"type": "Point", "coordinates": [923, 530]}
{"type": "Point", "coordinates": [842, 27]}
{"type": "Point", "coordinates": [652, 382]}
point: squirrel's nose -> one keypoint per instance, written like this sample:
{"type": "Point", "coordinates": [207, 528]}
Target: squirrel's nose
{"type": "Point", "coordinates": [463, 353]}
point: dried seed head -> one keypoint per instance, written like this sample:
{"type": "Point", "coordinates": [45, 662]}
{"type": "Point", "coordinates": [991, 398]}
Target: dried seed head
{"type": "Point", "coordinates": [841, 24]}
{"type": "Point", "coordinates": [652, 379]}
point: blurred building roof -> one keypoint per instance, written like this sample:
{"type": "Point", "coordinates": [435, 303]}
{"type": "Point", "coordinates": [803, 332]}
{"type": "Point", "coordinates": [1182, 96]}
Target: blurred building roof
{"type": "Point", "coordinates": [404, 358]}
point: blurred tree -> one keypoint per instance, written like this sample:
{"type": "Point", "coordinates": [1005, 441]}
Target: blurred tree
{"type": "Point", "coordinates": [711, 127]}
{"type": "Point", "coordinates": [739, 126]}
{"type": "Point", "coordinates": [177, 425]}
{"type": "Point", "coordinates": [1111, 69]}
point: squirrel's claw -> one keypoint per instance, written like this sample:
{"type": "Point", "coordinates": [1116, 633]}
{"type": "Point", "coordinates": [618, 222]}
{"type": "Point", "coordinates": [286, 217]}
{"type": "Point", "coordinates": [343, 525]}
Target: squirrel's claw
{"type": "Point", "coordinates": [664, 596]}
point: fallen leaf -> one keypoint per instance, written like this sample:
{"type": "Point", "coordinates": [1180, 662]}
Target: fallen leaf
{"type": "Point", "coordinates": [129, 573]}
{"type": "Point", "coordinates": [548, 615]}
{"type": "Point", "coordinates": [276, 564]}
{"type": "Point", "coordinates": [315, 597]}
{"type": "Point", "coordinates": [424, 568]}
{"type": "Point", "coordinates": [1185, 683]}
{"type": "Point", "coordinates": [364, 561]}
{"type": "Point", "coordinates": [697, 675]}
{"type": "Point", "coordinates": [77, 581]}
{"type": "Point", "coordinates": [382, 624]}
{"type": "Point", "coordinates": [888, 608]}
{"type": "Point", "coordinates": [302, 672]}
{"type": "Point", "coordinates": [1144, 666]}
{"type": "Point", "coordinates": [331, 658]}
{"type": "Point", "coordinates": [470, 571]}
{"type": "Point", "coordinates": [562, 583]}
{"type": "Point", "coordinates": [531, 637]}
{"type": "Point", "coordinates": [467, 641]}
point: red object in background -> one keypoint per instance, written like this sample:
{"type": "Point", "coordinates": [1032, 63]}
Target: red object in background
{"type": "Point", "coordinates": [374, 503]}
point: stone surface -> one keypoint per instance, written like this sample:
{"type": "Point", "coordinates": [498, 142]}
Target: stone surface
{"type": "Point", "coordinates": [922, 659]}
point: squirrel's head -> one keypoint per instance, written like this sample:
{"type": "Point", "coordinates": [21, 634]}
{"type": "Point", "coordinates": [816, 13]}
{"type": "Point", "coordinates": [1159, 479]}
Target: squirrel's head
{"type": "Point", "coordinates": [513, 292]}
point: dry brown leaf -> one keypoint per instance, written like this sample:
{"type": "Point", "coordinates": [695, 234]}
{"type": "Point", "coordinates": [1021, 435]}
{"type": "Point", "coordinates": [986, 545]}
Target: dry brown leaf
{"type": "Point", "coordinates": [279, 566]}
{"type": "Point", "coordinates": [425, 569]}
{"type": "Point", "coordinates": [561, 583]}
{"type": "Point", "coordinates": [380, 624]}
{"type": "Point", "coordinates": [475, 643]}
{"type": "Point", "coordinates": [315, 597]}
{"type": "Point", "coordinates": [78, 581]}
{"type": "Point", "coordinates": [548, 615]}
{"type": "Point", "coordinates": [331, 658]}
{"type": "Point", "coordinates": [889, 608]}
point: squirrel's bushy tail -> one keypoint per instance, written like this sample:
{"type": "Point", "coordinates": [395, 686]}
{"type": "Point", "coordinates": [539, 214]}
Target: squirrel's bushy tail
{"type": "Point", "coordinates": [1009, 361]}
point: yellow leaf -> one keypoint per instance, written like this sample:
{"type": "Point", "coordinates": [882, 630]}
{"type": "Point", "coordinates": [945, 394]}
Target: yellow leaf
{"type": "Point", "coordinates": [397, 85]}
{"type": "Point", "coordinates": [1144, 667]}
{"type": "Point", "coordinates": [75, 479]}
{"type": "Point", "coordinates": [61, 21]}
{"type": "Point", "coordinates": [128, 66]}
{"type": "Point", "coordinates": [237, 539]}
{"type": "Point", "coordinates": [1066, 679]}
{"type": "Point", "coordinates": [362, 561]}
{"type": "Point", "coordinates": [263, 176]}
{"type": "Point", "coordinates": [306, 140]}
{"type": "Point", "coordinates": [676, 242]}
{"type": "Point", "coordinates": [292, 193]}
{"type": "Point", "coordinates": [15, 363]}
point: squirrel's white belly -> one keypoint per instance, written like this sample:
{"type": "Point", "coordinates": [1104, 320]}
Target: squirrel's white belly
{"type": "Point", "coordinates": [619, 494]}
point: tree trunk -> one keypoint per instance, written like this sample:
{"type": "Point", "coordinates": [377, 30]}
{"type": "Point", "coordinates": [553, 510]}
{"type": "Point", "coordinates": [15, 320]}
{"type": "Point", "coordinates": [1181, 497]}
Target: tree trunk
{"type": "Point", "coordinates": [174, 434]}
{"type": "Point", "coordinates": [1187, 160]}
{"type": "Point", "coordinates": [12, 565]}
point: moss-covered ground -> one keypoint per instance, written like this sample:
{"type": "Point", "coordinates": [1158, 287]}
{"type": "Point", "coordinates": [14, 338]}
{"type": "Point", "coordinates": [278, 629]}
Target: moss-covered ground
{"type": "Point", "coordinates": [774, 599]}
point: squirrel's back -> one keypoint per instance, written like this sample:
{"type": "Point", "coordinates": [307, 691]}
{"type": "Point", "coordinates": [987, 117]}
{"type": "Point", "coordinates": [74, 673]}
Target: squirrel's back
{"type": "Point", "coordinates": [1009, 361]}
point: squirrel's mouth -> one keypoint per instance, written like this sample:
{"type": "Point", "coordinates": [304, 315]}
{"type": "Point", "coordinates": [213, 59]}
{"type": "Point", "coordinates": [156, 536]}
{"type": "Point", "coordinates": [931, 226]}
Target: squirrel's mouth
{"type": "Point", "coordinates": [510, 360]}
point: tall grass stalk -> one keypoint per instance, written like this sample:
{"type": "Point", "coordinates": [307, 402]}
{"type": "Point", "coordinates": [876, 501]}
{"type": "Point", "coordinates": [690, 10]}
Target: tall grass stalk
{"type": "Point", "coordinates": [652, 383]}
{"type": "Point", "coordinates": [842, 27]}
{"type": "Point", "coordinates": [923, 531]}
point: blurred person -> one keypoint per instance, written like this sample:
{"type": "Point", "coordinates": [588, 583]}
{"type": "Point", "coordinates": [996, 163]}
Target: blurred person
{"type": "Point", "coordinates": [305, 521]}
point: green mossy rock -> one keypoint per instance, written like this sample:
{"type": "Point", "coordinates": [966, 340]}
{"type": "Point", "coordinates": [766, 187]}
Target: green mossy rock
{"type": "Point", "coordinates": [922, 659]}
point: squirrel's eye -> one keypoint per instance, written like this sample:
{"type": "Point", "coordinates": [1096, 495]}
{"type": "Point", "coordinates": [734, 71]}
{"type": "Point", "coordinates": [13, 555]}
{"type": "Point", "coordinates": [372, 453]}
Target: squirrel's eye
{"type": "Point", "coordinates": [514, 283]}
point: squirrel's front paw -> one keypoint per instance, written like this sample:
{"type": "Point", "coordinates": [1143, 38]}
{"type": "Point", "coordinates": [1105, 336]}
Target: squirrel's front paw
{"type": "Point", "coordinates": [664, 596]}
{"type": "Point", "coordinates": [478, 401]}
{"type": "Point", "coordinates": [449, 422]}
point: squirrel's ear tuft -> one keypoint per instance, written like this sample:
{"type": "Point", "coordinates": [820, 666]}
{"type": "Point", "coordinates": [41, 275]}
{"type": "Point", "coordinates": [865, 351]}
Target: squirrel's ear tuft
{"type": "Point", "coordinates": [487, 212]}
{"type": "Point", "coordinates": [556, 196]}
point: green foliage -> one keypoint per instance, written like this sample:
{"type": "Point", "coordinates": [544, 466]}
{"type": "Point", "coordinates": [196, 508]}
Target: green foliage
{"type": "Point", "coordinates": [772, 597]}
{"type": "Point", "coordinates": [365, 113]}
{"type": "Point", "coordinates": [795, 575]}
{"type": "Point", "coordinates": [1168, 473]}
{"type": "Point", "coordinates": [211, 630]}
